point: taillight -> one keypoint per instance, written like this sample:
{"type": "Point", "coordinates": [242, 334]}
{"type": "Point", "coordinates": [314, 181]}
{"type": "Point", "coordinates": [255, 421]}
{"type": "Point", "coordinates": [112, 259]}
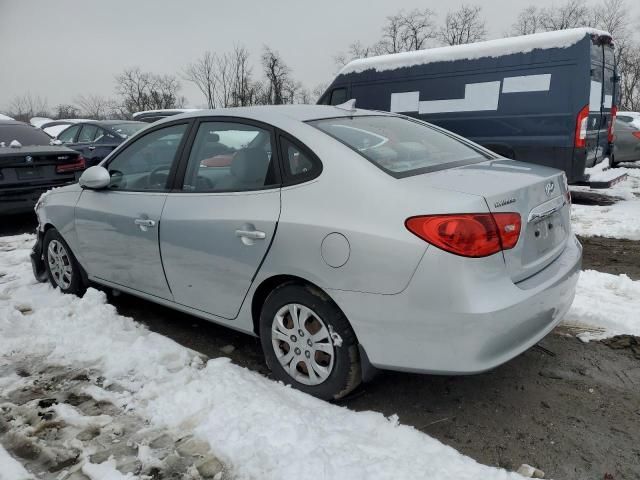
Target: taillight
{"type": "Point", "coordinates": [636, 134]}
{"type": "Point", "coordinates": [78, 164]}
{"type": "Point", "coordinates": [581, 127]}
{"type": "Point", "coordinates": [612, 126]}
{"type": "Point", "coordinates": [468, 234]}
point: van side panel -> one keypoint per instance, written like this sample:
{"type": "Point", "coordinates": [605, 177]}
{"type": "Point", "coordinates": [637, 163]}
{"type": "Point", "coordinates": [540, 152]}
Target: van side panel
{"type": "Point", "coordinates": [522, 105]}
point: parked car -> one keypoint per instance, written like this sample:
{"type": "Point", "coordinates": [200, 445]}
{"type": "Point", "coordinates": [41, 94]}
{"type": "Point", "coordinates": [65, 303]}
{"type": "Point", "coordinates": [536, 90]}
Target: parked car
{"type": "Point", "coordinates": [344, 239]}
{"type": "Point", "coordinates": [150, 116]}
{"type": "Point", "coordinates": [545, 98]}
{"type": "Point", "coordinates": [626, 147]}
{"type": "Point", "coordinates": [97, 139]}
{"type": "Point", "coordinates": [29, 165]}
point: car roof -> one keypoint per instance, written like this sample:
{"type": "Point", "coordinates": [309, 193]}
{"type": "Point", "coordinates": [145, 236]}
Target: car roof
{"type": "Point", "coordinates": [275, 113]}
{"type": "Point", "coordinates": [14, 122]}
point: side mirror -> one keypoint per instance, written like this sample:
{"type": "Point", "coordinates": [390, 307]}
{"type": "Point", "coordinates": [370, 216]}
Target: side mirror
{"type": "Point", "coordinates": [95, 178]}
{"type": "Point", "coordinates": [55, 141]}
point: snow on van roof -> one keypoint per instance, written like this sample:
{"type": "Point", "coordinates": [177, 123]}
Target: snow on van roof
{"type": "Point", "coordinates": [473, 51]}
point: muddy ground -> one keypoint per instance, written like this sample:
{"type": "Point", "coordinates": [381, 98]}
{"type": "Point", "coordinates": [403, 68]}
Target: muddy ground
{"type": "Point", "coordinates": [568, 408]}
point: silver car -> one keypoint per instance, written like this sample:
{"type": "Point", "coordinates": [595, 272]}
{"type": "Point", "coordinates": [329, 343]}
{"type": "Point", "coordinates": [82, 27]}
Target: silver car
{"type": "Point", "coordinates": [626, 145]}
{"type": "Point", "coordinates": [347, 240]}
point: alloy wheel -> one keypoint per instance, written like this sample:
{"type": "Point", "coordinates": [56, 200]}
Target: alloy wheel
{"type": "Point", "coordinates": [59, 264]}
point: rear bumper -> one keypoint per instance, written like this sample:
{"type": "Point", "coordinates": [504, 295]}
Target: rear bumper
{"type": "Point", "coordinates": [461, 316]}
{"type": "Point", "coordinates": [23, 199]}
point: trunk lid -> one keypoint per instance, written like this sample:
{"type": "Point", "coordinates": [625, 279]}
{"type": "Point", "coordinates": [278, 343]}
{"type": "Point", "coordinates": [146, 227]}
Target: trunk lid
{"type": "Point", "coordinates": [537, 193]}
{"type": "Point", "coordinates": [35, 166]}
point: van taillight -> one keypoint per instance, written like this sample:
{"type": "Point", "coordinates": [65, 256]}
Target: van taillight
{"type": "Point", "coordinates": [581, 127]}
{"type": "Point", "coordinates": [78, 164]}
{"type": "Point", "coordinates": [468, 234]}
{"type": "Point", "coordinates": [612, 121]}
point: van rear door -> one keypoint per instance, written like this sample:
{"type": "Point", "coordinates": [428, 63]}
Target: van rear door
{"type": "Point", "coordinates": [601, 99]}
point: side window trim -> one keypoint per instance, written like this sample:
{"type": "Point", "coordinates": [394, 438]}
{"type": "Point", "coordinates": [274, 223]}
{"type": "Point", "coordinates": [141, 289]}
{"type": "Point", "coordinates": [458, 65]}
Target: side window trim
{"type": "Point", "coordinates": [176, 161]}
{"type": "Point", "coordinates": [183, 163]}
{"type": "Point", "coordinates": [287, 179]}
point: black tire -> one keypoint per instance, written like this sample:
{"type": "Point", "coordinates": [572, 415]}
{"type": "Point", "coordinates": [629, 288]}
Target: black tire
{"type": "Point", "coordinates": [72, 283]}
{"type": "Point", "coordinates": [345, 375]}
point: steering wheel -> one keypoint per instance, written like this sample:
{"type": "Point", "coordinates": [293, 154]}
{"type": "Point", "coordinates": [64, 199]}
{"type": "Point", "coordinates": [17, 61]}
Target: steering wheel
{"type": "Point", "coordinates": [158, 176]}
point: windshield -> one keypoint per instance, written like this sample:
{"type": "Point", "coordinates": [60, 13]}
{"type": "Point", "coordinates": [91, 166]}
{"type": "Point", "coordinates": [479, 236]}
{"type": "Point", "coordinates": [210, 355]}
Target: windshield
{"type": "Point", "coordinates": [125, 130]}
{"type": "Point", "coordinates": [398, 145]}
{"type": "Point", "coordinates": [25, 134]}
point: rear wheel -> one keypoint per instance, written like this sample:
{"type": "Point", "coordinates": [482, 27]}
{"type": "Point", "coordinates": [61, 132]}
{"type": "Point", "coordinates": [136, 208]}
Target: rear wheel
{"type": "Point", "coordinates": [308, 342]}
{"type": "Point", "coordinates": [62, 268]}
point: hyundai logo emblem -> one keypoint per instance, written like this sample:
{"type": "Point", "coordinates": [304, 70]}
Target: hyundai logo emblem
{"type": "Point", "coordinates": [549, 188]}
{"type": "Point", "coordinates": [28, 159]}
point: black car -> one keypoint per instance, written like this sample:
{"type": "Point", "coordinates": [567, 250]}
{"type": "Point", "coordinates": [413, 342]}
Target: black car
{"type": "Point", "coordinates": [96, 139]}
{"type": "Point", "coordinates": [30, 165]}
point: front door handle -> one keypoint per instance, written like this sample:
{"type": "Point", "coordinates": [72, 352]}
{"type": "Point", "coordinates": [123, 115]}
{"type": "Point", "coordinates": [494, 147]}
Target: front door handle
{"type": "Point", "coordinates": [251, 234]}
{"type": "Point", "coordinates": [144, 223]}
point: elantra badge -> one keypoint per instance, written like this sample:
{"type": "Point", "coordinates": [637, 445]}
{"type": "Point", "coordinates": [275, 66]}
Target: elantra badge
{"type": "Point", "coordinates": [549, 188]}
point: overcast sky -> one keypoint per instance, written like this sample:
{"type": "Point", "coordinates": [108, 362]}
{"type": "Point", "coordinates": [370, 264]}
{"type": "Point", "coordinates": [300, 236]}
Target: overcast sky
{"type": "Point", "coordinates": [59, 49]}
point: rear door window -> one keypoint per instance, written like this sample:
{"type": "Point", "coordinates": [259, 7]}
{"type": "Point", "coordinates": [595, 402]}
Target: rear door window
{"type": "Point", "coordinates": [400, 146]}
{"type": "Point", "coordinates": [230, 157]}
{"type": "Point", "coordinates": [68, 135]}
{"type": "Point", "coordinates": [87, 134]}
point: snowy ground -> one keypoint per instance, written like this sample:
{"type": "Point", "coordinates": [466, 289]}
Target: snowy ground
{"type": "Point", "coordinates": [620, 220]}
{"type": "Point", "coordinates": [155, 388]}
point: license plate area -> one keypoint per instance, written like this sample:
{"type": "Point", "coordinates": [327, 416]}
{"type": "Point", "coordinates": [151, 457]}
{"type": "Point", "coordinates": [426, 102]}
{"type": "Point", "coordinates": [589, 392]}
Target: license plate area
{"type": "Point", "coordinates": [546, 233]}
{"type": "Point", "coordinates": [29, 173]}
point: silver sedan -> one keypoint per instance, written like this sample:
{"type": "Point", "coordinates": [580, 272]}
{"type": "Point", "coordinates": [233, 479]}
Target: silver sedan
{"type": "Point", "coordinates": [347, 240]}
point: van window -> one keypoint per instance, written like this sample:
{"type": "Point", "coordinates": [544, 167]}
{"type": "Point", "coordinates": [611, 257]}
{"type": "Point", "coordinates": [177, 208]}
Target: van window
{"type": "Point", "coordinates": [338, 96]}
{"type": "Point", "coordinates": [400, 146]}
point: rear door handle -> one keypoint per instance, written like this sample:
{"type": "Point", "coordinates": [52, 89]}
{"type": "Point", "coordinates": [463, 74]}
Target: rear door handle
{"type": "Point", "coordinates": [144, 223]}
{"type": "Point", "coordinates": [251, 234]}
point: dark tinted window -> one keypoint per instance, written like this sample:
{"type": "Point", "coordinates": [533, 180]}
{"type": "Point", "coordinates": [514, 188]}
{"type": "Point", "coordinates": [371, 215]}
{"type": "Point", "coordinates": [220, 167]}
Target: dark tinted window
{"type": "Point", "coordinates": [228, 156]}
{"type": "Point", "coordinates": [145, 164]}
{"type": "Point", "coordinates": [25, 134]}
{"type": "Point", "coordinates": [338, 96]}
{"type": "Point", "coordinates": [399, 146]}
{"type": "Point", "coordinates": [69, 134]}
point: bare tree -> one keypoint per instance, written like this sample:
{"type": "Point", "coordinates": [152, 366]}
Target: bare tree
{"type": "Point", "coordinates": [528, 21]}
{"type": "Point", "coordinates": [417, 27]}
{"type": "Point", "coordinates": [277, 75]}
{"type": "Point", "coordinates": [464, 25]}
{"type": "Point", "coordinates": [140, 90]}
{"type": "Point", "coordinates": [571, 14]}
{"type": "Point", "coordinates": [629, 86]}
{"type": "Point", "coordinates": [94, 106]}
{"type": "Point", "coordinates": [318, 90]}
{"type": "Point", "coordinates": [65, 110]}
{"type": "Point", "coordinates": [612, 16]}
{"type": "Point", "coordinates": [24, 107]}
{"type": "Point", "coordinates": [243, 90]}
{"type": "Point", "coordinates": [358, 50]}
{"type": "Point", "coordinates": [202, 73]}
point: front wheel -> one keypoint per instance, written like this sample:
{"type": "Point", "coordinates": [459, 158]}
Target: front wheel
{"type": "Point", "coordinates": [308, 342]}
{"type": "Point", "coordinates": [62, 268]}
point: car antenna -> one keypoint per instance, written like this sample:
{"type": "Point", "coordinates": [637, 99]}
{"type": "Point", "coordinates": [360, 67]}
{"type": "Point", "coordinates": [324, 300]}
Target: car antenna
{"type": "Point", "coordinates": [349, 105]}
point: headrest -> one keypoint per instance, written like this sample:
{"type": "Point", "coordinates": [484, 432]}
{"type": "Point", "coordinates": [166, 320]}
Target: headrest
{"type": "Point", "coordinates": [250, 165]}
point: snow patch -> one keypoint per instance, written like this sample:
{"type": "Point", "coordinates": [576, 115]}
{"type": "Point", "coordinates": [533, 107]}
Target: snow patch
{"type": "Point", "coordinates": [620, 220]}
{"type": "Point", "coordinates": [610, 303]}
{"type": "Point", "coordinates": [10, 469]}
{"type": "Point", "coordinates": [472, 51]}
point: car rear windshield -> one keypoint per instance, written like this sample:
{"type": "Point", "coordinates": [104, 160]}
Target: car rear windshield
{"type": "Point", "coordinates": [25, 134]}
{"type": "Point", "coordinates": [125, 130]}
{"type": "Point", "coordinates": [400, 146]}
